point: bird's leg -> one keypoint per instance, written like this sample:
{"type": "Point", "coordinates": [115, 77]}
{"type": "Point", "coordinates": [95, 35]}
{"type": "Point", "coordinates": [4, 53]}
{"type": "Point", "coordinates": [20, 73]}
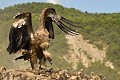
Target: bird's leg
{"type": "Point", "coordinates": [43, 63]}
{"type": "Point", "coordinates": [46, 56]}
{"type": "Point", "coordinates": [33, 61]}
{"type": "Point", "coordinates": [40, 62]}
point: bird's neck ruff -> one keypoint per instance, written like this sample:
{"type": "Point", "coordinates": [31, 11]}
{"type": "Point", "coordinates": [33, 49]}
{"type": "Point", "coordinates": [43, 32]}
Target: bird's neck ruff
{"type": "Point", "coordinates": [42, 18]}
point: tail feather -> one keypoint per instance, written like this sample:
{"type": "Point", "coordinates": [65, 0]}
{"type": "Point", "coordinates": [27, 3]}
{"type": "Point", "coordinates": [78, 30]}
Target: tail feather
{"type": "Point", "coordinates": [25, 57]}
{"type": "Point", "coordinates": [21, 57]}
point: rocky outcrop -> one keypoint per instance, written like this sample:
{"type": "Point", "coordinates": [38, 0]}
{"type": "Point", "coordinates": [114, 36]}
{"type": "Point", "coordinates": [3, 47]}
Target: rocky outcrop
{"type": "Point", "coordinates": [49, 74]}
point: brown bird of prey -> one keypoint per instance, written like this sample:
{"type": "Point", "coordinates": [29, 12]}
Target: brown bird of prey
{"type": "Point", "coordinates": [34, 45]}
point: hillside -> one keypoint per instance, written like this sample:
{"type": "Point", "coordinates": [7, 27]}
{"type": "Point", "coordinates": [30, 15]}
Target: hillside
{"type": "Point", "coordinates": [95, 49]}
{"type": "Point", "coordinates": [82, 51]}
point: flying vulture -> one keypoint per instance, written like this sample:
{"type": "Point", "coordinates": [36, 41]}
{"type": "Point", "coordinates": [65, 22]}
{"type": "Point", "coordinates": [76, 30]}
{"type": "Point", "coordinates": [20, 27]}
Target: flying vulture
{"type": "Point", "coordinates": [34, 44]}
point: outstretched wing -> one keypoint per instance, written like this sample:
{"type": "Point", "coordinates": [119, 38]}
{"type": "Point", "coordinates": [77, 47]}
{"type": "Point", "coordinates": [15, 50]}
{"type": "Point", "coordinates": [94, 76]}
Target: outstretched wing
{"type": "Point", "coordinates": [61, 22]}
{"type": "Point", "coordinates": [20, 33]}
{"type": "Point", "coordinates": [65, 25]}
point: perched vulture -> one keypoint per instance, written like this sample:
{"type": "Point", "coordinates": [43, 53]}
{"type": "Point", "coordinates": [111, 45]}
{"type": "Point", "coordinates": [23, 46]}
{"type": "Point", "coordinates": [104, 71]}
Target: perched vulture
{"type": "Point", "coordinates": [34, 45]}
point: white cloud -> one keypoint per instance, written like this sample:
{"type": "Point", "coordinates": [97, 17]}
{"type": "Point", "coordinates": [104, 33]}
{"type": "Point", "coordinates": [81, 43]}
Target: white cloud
{"type": "Point", "coordinates": [54, 1]}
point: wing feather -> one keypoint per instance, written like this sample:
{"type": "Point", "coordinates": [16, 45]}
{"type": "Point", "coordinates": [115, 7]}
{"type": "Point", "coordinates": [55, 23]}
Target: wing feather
{"type": "Point", "coordinates": [49, 27]}
{"type": "Point", "coordinates": [19, 36]}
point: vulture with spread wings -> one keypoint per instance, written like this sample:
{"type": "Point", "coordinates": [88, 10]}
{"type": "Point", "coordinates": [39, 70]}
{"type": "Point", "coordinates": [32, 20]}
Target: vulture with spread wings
{"type": "Point", "coordinates": [34, 45]}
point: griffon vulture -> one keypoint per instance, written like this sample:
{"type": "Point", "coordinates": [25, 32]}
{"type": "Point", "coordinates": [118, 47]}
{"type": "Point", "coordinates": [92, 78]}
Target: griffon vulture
{"type": "Point", "coordinates": [34, 45]}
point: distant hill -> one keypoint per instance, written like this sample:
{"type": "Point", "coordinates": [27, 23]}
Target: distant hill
{"type": "Point", "coordinates": [101, 30]}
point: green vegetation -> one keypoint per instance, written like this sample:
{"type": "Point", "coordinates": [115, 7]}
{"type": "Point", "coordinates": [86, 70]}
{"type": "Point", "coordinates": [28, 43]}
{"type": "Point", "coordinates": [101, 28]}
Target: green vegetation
{"type": "Point", "coordinates": [99, 68]}
{"type": "Point", "coordinates": [103, 30]}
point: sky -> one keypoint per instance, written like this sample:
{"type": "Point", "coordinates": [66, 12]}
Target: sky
{"type": "Point", "coordinates": [92, 6]}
